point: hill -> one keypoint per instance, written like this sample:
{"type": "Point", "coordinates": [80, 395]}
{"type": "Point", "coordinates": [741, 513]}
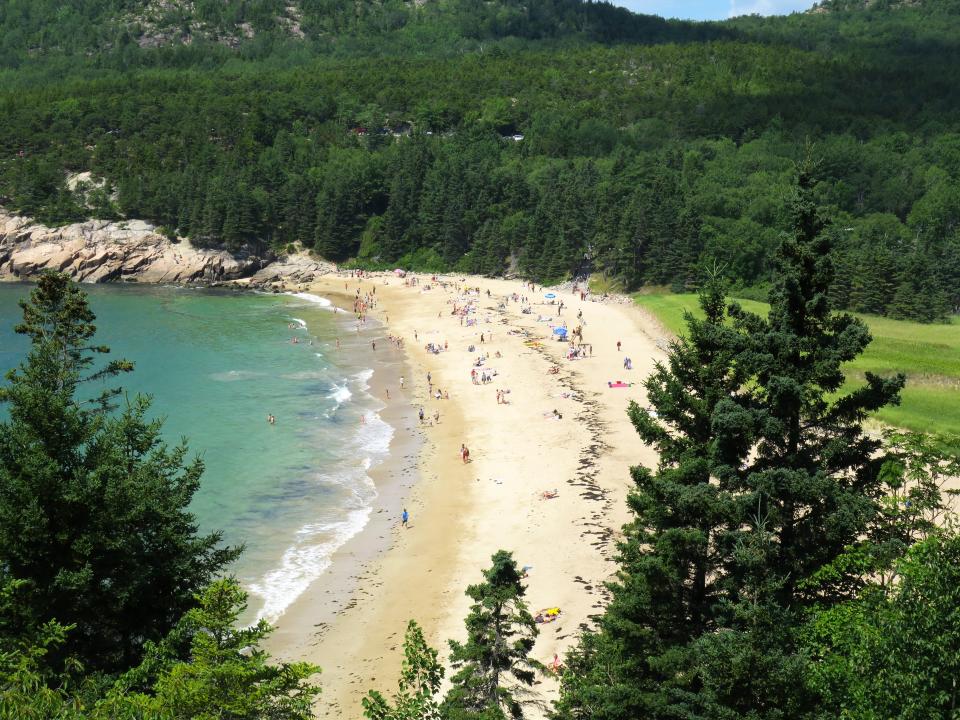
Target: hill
{"type": "Point", "coordinates": [551, 139]}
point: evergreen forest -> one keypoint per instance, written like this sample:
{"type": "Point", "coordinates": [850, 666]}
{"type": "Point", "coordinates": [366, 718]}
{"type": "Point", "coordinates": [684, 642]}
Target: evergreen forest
{"type": "Point", "coordinates": [554, 139]}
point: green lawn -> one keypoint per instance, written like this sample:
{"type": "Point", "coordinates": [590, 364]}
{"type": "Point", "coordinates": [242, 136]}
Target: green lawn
{"type": "Point", "coordinates": [928, 354]}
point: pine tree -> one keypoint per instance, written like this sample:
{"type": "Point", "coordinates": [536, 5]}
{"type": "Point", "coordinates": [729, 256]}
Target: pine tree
{"type": "Point", "coordinates": [93, 504]}
{"type": "Point", "coordinates": [500, 635]}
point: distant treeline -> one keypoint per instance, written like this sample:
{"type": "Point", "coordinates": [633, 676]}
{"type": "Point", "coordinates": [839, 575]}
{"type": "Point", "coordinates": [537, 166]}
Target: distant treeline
{"type": "Point", "coordinates": [399, 141]}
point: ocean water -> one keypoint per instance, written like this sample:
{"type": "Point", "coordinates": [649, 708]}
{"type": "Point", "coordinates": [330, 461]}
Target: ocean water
{"type": "Point", "coordinates": [216, 363]}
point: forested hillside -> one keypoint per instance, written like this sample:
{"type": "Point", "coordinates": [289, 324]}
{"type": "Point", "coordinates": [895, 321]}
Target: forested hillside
{"type": "Point", "coordinates": [549, 139]}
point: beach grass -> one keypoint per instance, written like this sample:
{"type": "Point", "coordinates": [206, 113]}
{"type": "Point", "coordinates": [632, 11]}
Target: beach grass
{"type": "Point", "coordinates": [928, 354]}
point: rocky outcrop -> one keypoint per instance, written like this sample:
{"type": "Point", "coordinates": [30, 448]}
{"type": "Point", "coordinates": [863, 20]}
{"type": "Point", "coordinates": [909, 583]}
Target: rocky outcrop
{"type": "Point", "coordinates": [99, 251]}
{"type": "Point", "coordinates": [294, 269]}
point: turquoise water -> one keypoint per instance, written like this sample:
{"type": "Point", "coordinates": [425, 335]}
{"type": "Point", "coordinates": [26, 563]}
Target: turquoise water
{"type": "Point", "coordinates": [217, 363]}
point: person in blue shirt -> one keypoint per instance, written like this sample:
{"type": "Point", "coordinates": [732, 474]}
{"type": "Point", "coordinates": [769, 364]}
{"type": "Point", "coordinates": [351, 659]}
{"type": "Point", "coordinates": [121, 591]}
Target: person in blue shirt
{"type": "Point", "coordinates": [404, 518]}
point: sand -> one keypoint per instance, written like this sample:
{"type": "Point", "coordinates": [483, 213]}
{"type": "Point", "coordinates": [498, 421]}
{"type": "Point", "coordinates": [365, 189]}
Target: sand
{"type": "Point", "coordinates": [351, 622]}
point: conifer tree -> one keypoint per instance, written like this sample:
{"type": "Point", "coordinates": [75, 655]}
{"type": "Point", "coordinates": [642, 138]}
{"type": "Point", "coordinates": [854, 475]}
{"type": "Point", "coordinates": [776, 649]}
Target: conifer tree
{"type": "Point", "coordinates": [493, 664]}
{"type": "Point", "coordinates": [638, 664]}
{"type": "Point", "coordinates": [93, 504]}
{"type": "Point", "coordinates": [227, 673]}
{"type": "Point", "coordinates": [765, 476]}
{"type": "Point", "coordinates": [811, 486]}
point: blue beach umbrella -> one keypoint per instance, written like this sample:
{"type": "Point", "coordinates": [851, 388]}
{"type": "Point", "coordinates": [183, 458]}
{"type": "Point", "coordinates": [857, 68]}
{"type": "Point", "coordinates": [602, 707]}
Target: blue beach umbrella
{"type": "Point", "coordinates": [561, 331]}
{"type": "Point", "coordinates": [550, 296]}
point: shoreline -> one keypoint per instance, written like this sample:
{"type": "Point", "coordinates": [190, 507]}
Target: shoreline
{"type": "Point", "coordinates": [462, 513]}
{"type": "Point", "coordinates": [336, 589]}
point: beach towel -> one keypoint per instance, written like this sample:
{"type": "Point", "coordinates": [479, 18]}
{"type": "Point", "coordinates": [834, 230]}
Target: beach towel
{"type": "Point", "coordinates": [618, 384]}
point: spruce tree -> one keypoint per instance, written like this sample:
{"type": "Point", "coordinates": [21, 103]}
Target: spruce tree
{"type": "Point", "coordinates": [638, 663]}
{"type": "Point", "coordinates": [811, 486]}
{"type": "Point", "coordinates": [493, 664]}
{"type": "Point", "coordinates": [93, 503]}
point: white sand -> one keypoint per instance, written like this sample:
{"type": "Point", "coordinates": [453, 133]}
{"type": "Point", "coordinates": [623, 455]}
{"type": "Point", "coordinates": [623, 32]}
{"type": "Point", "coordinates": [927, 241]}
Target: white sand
{"type": "Point", "coordinates": [462, 513]}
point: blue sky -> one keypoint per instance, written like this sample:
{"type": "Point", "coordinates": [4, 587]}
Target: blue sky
{"type": "Point", "coordinates": [714, 9]}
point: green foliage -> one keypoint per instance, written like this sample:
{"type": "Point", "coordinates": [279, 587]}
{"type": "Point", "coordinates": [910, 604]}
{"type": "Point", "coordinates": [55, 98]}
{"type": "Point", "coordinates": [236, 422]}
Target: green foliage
{"type": "Point", "coordinates": [893, 652]}
{"type": "Point", "coordinates": [493, 664]}
{"type": "Point", "coordinates": [419, 683]}
{"type": "Point", "coordinates": [385, 134]}
{"type": "Point", "coordinates": [93, 504]}
{"type": "Point", "coordinates": [225, 674]}
{"type": "Point", "coordinates": [765, 479]}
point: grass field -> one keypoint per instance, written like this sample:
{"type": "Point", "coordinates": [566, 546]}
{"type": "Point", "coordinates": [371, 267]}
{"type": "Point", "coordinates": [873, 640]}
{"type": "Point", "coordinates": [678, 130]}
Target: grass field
{"type": "Point", "coordinates": [928, 354]}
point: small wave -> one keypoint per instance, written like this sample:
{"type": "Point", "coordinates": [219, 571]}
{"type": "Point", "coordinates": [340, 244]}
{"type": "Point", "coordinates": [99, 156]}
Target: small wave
{"type": "Point", "coordinates": [301, 323]}
{"type": "Point", "coordinates": [374, 436]}
{"type": "Point", "coordinates": [304, 562]}
{"type": "Point", "coordinates": [340, 394]}
{"type": "Point", "coordinates": [235, 375]}
{"type": "Point", "coordinates": [363, 377]}
{"type": "Point", "coordinates": [307, 375]}
{"type": "Point", "coordinates": [310, 297]}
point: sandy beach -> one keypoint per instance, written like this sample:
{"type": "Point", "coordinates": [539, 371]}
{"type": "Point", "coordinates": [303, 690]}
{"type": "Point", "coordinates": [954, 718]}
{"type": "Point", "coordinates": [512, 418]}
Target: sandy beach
{"type": "Point", "coordinates": [351, 622]}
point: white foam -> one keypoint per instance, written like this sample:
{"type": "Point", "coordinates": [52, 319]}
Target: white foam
{"type": "Point", "coordinates": [340, 394]}
{"type": "Point", "coordinates": [301, 323]}
{"type": "Point", "coordinates": [310, 297]}
{"type": "Point", "coordinates": [363, 377]}
{"type": "Point", "coordinates": [310, 554]}
{"type": "Point", "coordinates": [303, 562]}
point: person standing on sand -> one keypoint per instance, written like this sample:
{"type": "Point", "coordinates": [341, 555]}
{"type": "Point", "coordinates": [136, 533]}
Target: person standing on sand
{"type": "Point", "coordinates": [401, 382]}
{"type": "Point", "coordinates": [373, 344]}
{"type": "Point", "coordinates": [404, 518]}
{"type": "Point", "coordinates": [618, 346]}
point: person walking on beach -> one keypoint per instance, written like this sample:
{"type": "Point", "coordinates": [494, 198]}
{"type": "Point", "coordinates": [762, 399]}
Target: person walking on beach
{"type": "Point", "coordinates": [404, 518]}
{"type": "Point", "coordinates": [401, 382]}
{"type": "Point", "coordinates": [373, 344]}
{"type": "Point", "coordinates": [618, 346]}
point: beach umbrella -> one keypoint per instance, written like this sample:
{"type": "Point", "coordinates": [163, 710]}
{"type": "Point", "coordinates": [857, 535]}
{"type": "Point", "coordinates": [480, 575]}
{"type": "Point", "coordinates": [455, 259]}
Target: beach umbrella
{"type": "Point", "coordinates": [399, 272]}
{"type": "Point", "coordinates": [560, 331]}
{"type": "Point", "coordinates": [550, 296]}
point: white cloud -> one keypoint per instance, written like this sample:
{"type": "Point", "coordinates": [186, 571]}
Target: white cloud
{"type": "Point", "coordinates": [767, 7]}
